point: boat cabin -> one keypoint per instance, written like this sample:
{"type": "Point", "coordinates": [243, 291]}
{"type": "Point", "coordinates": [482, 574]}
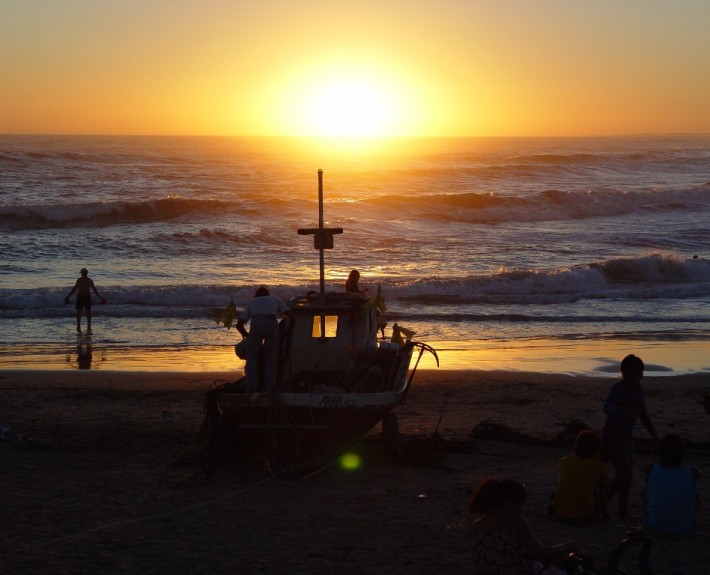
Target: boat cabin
{"type": "Point", "coordinates": [334, 340]}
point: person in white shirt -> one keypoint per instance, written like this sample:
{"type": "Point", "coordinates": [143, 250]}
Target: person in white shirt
{"type": "Point", "coordinates": [262, 314]}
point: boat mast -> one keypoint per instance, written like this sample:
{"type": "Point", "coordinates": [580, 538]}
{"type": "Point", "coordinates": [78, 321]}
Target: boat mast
{"type": "Point", "coordinates": [322, 240]}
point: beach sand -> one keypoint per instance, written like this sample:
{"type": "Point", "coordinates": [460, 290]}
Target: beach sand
{"type": "Point", "coordinates": [103, 472]}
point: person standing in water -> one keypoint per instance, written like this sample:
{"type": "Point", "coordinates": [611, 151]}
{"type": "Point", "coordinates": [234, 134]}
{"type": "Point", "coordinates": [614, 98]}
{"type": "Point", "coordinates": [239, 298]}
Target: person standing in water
{"type": "Point", "coordinates": [83, 287]}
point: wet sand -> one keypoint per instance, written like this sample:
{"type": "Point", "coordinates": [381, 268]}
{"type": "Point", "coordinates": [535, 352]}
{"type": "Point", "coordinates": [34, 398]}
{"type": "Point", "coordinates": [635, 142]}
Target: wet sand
{"type": "Point", "coordinates": [103, 472]}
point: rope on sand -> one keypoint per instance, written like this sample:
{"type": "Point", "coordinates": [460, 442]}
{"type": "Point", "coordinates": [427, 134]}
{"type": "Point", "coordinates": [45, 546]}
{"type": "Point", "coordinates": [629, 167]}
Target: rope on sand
{"type": "Point", "coordinates": [144, 518]}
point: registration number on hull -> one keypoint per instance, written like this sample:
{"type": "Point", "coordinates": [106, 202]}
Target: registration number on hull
{"type": "Point", "coordinates": [337, 400]}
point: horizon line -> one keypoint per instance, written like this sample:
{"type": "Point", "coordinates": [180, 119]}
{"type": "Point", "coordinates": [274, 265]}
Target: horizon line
{"type": "Point", "coordinates": [358, 138]}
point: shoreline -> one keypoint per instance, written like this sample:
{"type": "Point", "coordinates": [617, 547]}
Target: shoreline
{"type": "Point", "coordinates": [550, 356]}
{"type": "Point", "coordinates": [182, 379]}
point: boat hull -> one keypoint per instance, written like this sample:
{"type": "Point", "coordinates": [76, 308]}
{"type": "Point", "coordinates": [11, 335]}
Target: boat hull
{"type": "Point", "coordinates": [296, 431]}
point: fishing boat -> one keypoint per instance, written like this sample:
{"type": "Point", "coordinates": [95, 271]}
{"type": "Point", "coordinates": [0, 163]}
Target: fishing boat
{"type": "Point", "coordinates": [339, 375]}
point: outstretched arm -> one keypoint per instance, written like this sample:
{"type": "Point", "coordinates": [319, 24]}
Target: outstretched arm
{"type": "Point", "coordinates": [93, 287]}
{"type": "Point", "coordinates": [71, 293]}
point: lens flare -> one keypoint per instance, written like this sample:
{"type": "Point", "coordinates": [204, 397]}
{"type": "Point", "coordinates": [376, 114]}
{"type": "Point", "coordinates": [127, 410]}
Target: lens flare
{"type": "Point", "coordinates": [350, 461]}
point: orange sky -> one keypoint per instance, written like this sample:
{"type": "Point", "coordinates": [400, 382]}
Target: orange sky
{"type": "Point", "coordinates": [331, 67]}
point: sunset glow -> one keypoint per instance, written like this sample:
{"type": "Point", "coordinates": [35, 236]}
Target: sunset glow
{"type": "Point", "coordinates": [347, 97]}
{"type": "Point", "coordinates": [350, 108]}
{"type": "Point", "coordinates": [323, 69]}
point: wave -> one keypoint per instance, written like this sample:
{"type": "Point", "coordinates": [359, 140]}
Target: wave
{"type": "Point", "coordinates": [655, 268]}
{"type": "Point", "coordinates": [618, 160]}
{"type": "Point", "coordinates": [106, 151]}
{"type": "Point", "coordinates": [686, 324]}
{"type": "Point", "coordinates": [485, 208]}
{"type": "Point", "coordinates": [561, 159]}
{"type": "Point", "coordinates": [651, 276]}
{"type": "Point", "coordinates": [99, 214]}
{"type": "Point", "coordinates": [647, 278]}
{"type": "Point", "coordinates": [551, 205]}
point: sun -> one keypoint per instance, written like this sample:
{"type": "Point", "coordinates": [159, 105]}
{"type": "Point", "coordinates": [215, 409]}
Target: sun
{"type": "Point", "coordinates": [351, 107]}
{"type": "Point", "coordinates": [345, 99]}
{"type": "Point", "coordinates": [341, 104]}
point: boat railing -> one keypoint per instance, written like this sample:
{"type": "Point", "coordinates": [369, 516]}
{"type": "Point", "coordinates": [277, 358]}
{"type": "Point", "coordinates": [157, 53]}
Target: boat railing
{"type": "Point", "coordinates": [329, 299]}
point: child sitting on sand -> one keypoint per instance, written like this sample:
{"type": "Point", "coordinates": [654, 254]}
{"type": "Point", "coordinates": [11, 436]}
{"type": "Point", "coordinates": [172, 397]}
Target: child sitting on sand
{"type": "Point", "coordinates": [671, 490]}
{"type": "Point", "coordinates": [582, 483]}
{"type": "Point", "coordinates": [503, 541]}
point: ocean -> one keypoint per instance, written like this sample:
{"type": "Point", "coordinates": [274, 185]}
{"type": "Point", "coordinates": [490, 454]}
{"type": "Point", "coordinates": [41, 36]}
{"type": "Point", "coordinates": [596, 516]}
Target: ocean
{"type": "Point", "coordinates": [501, 253]}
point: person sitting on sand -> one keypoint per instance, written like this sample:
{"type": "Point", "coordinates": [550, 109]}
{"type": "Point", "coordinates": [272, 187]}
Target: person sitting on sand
{"type": "Point", "coordinates": [671, 490]}
{"type": "Point", "coordinates": [625, 403]}
{"type": "Point", "coordinates": [503, 541]}
{"type": "Point", "coordinates": [582, 483]}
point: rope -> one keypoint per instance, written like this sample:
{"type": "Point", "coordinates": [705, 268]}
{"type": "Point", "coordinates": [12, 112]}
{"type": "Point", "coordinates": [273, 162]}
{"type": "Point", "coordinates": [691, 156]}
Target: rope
{"type": "Point", "coordinates": [144, 518]}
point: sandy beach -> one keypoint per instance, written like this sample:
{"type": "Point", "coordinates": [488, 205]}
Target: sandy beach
{"type": "Point", "coordinates": [103, 472]}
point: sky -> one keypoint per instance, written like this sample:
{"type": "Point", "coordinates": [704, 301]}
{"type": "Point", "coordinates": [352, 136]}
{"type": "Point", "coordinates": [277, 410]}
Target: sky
{"type": "Point", "coordinates": [370, 68]}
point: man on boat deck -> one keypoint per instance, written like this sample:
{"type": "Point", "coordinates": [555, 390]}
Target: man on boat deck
{"type": "Point", "coordinates": [262, 314]}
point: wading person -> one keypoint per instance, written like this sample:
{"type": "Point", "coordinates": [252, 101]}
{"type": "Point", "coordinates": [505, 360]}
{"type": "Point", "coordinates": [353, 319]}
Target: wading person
{"type": "Point", "coordinates": [83, 286]}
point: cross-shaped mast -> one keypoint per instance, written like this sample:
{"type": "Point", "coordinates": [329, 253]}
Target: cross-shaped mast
{"type": "Point", "coordinates": [322, 240]}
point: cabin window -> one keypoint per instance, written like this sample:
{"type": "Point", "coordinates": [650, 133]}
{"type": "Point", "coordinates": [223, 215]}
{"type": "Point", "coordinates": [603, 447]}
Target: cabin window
{"type": "Point", "coordinates": [331, 326]}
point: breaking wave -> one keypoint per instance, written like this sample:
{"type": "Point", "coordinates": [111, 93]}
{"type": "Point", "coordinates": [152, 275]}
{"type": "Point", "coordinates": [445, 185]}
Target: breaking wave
{"type": "Point", "coordinates": [99, 214]}
{"type": "Point", "coordinates": [649, 277]}
{"type": "Point", "coordinates": [469, 207]}
{"type": "Point", "coordinates": [489, 208]}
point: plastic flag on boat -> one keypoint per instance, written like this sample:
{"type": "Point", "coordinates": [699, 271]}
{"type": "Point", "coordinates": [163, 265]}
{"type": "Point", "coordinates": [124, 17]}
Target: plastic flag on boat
{"type": "Point", "coordinates": [377, 301]}
{"type": "Point", "coordinates": [227, 315]}
{"type": "Point", "coordinates": [399, 334]}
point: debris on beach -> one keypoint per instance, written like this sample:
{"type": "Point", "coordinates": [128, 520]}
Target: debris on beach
{"type": "Point", "coordinates": [571, 430]}
{"type": "Point", "coordinates": [490, 429]}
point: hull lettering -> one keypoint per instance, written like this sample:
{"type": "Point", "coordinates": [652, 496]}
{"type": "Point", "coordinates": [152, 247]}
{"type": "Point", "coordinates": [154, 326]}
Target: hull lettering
{"type": "Point", "coordinates": [336, 400]}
